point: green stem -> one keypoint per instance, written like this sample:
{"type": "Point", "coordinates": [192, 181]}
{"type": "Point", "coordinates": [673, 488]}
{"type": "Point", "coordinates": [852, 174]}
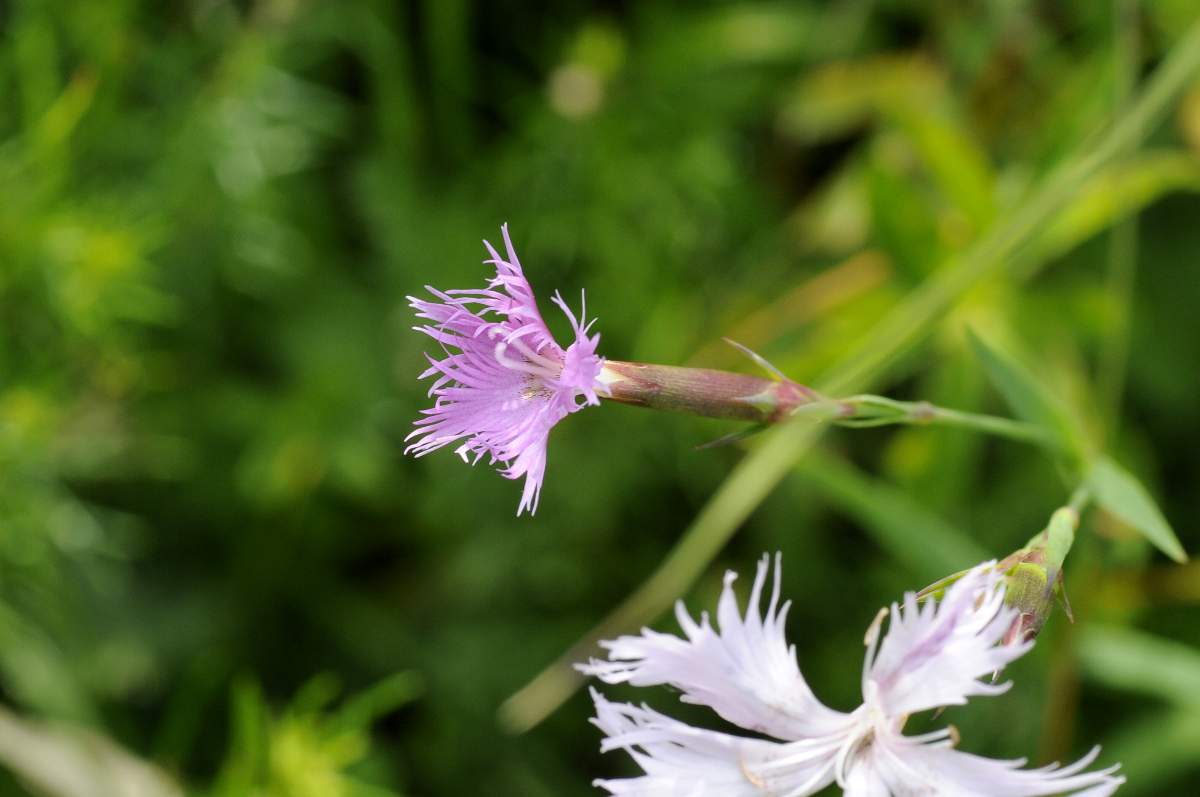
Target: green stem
{"type": "Point", "coordinates": [734, 396]}
{"type": "Point", "coordinates": [868, 410]}
{"type": "Point", "coordinates": [1000, 427]}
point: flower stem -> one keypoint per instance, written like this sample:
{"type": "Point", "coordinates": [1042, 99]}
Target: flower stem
{"type": "Point", "coordinates": [758, 474]}
{"type": "Point", "coordinates": [725, 394]}
{"type": "Point", "coordinates": [868, 410]}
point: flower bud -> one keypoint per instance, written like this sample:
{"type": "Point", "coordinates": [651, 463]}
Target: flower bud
{"type": "Point", "coordinates": [1033, 576]}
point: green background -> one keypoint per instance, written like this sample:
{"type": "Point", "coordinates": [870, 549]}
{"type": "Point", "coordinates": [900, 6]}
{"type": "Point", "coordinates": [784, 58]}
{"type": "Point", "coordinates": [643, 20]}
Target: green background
{"type": "Point", "coordinates": [213, 553]}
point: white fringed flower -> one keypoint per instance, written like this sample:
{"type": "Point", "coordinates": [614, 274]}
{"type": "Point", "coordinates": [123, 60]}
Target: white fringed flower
{"type": "Point", "coordinates": [934, 654]}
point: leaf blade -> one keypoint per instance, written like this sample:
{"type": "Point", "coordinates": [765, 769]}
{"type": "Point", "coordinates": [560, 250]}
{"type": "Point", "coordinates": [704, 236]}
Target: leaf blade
{"type": "Point", "coordinates": [1024, 394]}
{"type": "Point", "coordinates": [1122, 495]}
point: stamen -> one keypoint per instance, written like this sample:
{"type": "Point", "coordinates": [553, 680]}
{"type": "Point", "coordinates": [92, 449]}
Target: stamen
{"type": "Point", "coordinates": [756, 781]}
{"type": "Point", "coordinates": [523, 366]}
{"type": "Point", "coordinates": [534, 357]}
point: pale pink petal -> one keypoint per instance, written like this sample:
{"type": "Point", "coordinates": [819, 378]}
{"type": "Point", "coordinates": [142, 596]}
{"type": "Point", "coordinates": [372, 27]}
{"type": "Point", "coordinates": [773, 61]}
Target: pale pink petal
{"type": "Point", "coordinates": [681, 761]}
{"type": "Point", "coordinates": [503, 382]}
{"type": "Point", "coordinates": [744, 670]}
{"type": "Point", "coordinates": [900, 765]}
{"type": "Point", "coordinates": [936, 652]}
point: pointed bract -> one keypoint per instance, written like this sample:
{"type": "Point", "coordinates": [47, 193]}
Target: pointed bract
{"type": "Point", "coordinates": [503, 382]}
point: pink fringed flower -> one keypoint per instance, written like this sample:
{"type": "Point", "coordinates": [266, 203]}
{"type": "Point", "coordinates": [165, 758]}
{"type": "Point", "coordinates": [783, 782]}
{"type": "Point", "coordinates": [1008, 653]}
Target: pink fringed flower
{"type": "Point", "coordinates": [932, 655]}
{"type": "Point", "coordinates": [504, 381]}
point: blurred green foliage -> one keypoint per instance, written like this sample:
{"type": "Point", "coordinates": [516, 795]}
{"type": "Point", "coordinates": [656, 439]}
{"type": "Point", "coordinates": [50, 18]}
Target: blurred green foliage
{"type": "Point", "coordinates": [212, 212]}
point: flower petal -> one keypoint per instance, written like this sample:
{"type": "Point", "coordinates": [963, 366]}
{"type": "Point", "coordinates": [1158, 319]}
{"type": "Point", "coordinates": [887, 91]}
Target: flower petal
{"type": "Point", "coordinates": [746, 671]}
{"type": "Point", "coordinates": [895, 764]}
{"type": "Point", "coordinates": [935, 653]}
{"type": "Point", "coordinates": [503, 382]}
{"type": "Point", "coordinates": [518, 302]}
{"type": "Point", "coordinates": [681, 761]}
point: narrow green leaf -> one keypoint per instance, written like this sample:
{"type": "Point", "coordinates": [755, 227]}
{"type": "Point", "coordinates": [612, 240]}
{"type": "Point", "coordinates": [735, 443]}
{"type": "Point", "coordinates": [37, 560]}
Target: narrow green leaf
{"type": "Point", "coordinates": [248, 730]}
{"type": "Point", "coordinates": [903, 217]}
{"type": "Point", "coordinates": [378, 700]}
{"type": "Point", "coordinates": [953, 157]}
{"type": "Point", "coordinates": [911, 94]}
{"type": "Point", "coordinates": [1027, 397]}
{"type": "Point", "coordinates": [836, 98]}
{"type": "Point", "coordinates": [1115, 193]}
{"type": "Point", "coordinates": [928, 545]}
{"type": "Point", "coordinates": [1119, 492]}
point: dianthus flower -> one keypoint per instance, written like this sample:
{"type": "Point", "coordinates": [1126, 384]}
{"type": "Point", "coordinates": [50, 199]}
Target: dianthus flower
{"type": "Point", "coordinates": [504, 381]}
{"type": "Point", "coordinates": [933, 655]}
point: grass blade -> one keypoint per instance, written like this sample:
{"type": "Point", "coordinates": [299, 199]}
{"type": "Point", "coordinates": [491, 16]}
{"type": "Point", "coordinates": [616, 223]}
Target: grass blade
{"type": "Point", "coordinates": [1121, 494]}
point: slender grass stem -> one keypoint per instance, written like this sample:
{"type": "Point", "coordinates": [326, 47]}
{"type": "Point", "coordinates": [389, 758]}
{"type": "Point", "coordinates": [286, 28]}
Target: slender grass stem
{"type": "Point", "coordinates": [1062, 709]}
{"type": "Point", "coordinates": [1123, 240]}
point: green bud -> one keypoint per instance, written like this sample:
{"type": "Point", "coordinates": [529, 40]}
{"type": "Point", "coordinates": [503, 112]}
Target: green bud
{"type": "Point", "coordinates": [1033, 576]}
{"type": "Point", "coordinates": [1029, 591]}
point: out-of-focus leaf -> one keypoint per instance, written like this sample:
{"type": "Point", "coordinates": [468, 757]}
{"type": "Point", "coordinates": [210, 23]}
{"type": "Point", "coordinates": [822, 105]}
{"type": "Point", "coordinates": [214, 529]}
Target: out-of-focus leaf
{"type": "Point", "coordinates": [38, 673]}
{"type": "Point", "coordinates": [910, 93]}
{"type": "Point", "coordinates": [953, 158]}
{"type": "Point", "coordinates": [925, 543]}
{"type": "Point", "coordinates": [1027, 397]}
{"type": "Point", "coordinates": [757, 33]}
{"type": "Point", "coordinates": [1189, 118]}
{"type": "Point", "coordinates": [1119, 492]}
{"type": "Point", "coordinates": [372, 703]}
{"type": "Point", "coordinates": [248, 741]}
{"type": "Point", "coordinates": [936, 465]}
{"type": "Point", "coordinates": [1112, 195]}
{"type": "Point", "coordinates": [66, 761]}
{"type": "Point", "coordinates": [448, 25]}
{"type": "Point", "coordinates": [1153, 751]}
{"type": "Point", "coordinates": [838, 97]}
{"type": "Point", "coordinates": [834, 220]}
{"type": "Point", "coordinates": [63, 116]}
{"type": "Point", "coordinates": [1140, 662]}
{"type": "Point", "coordinates": [902, 215]}
{"type": "Point", "coordinates": [309, 749]}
